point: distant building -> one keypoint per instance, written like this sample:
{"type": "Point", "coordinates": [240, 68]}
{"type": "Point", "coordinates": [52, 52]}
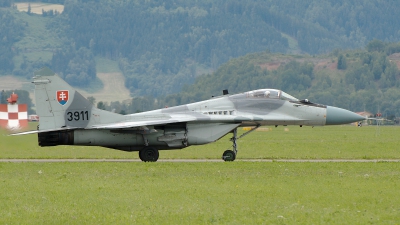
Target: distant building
{"type": "Point", "coordinates": [32, 118]}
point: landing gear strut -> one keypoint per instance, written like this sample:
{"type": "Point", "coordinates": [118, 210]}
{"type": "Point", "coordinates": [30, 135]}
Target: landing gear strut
{"type": "Point", "coordinates": [148, 154]}
{"type": "Point", "coordinates": [230, 155]}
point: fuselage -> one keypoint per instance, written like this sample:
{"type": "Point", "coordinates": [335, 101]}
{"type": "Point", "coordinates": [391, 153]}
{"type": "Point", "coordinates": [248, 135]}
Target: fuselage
{"type": "Point", "coordinates": [203, 122]}
{"type": "Point", "coordinates": [68, 118]}
{"type": "Point", "coordinates": [247, 109]}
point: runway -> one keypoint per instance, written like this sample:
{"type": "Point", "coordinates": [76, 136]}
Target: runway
{"type": "Point", "coordinates": [202, 160]}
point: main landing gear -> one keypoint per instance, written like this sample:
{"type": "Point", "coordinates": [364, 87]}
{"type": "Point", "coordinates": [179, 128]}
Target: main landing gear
{"type": "Point", "coordinates": [230, 155]}
{"type": "Point", "coordinates": [148, 154]}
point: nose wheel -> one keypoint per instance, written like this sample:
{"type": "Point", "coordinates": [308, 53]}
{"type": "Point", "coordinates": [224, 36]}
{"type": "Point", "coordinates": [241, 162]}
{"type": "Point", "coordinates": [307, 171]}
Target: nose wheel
{"type": "Point", "coordinates": [230, 155]}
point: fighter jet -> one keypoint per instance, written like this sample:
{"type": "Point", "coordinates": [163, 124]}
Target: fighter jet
{"type": "Point", "coordinates": [67, 118]}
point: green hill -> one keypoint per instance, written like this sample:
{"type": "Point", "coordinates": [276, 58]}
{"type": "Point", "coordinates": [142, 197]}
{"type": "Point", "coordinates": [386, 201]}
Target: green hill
{"type": "Point", "coordinates": [162, 46]}
{"type": "Point", "coordinates": [359, 80]}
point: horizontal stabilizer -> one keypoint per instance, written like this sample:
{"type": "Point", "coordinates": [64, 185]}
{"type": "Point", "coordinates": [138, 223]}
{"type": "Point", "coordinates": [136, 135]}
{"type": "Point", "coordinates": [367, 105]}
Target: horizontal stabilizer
{"type": "Point", "coordinates": [42, 131]}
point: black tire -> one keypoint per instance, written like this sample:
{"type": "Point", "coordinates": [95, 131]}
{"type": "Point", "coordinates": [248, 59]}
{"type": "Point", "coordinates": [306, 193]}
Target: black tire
{"type": "Point", "coordinates": [141, 155]}
{"type": "Point", "coordinates": [149, 154]}
{"type": "Point", "coordinates": [229, 156]}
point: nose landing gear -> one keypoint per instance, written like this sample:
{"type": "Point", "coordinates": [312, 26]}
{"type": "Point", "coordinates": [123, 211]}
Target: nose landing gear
{"type": "Point", "coordinates": [230, 155]}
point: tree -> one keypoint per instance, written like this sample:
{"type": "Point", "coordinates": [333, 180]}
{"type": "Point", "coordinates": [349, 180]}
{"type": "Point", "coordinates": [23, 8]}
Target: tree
{"type": "Point", "coordinates": [376, 45]}
{"type": "Point", "coordinates": [77, 67]}
{"type": "Point", "coordinates": [5, 3]}
{"type": "Point", "coordinates": [29, 9]}
{"type": "Point", "coordinates": [91, 99]}
{"type": "Point", "coordinates": [3, 97]}
{"type": "Point", "coordinates": [101, 105]}
{"type": "Point", "coordinates": [342, 62]}
{"type": "Point", "coordinates": [23, 98]}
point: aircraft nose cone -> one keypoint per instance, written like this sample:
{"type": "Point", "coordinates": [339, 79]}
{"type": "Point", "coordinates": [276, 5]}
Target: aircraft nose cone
{"type": "Point", "coordinates": [336, 116]}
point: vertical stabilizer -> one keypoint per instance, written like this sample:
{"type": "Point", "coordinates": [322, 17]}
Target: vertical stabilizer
{"type": "Point", "coordinates": [58, 105]}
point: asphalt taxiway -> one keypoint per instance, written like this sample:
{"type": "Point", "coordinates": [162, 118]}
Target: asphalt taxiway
{"type": "Point", "coordinates": [202, 160]}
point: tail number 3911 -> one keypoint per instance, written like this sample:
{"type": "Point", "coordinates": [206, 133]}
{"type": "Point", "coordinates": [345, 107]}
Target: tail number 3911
{"type": "Point", "coordinates": [77, 115]}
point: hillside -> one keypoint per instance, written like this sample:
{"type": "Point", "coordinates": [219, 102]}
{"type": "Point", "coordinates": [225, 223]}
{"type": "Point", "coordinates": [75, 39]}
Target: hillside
{"type": "Point", "coordinates": [162, 46]}
{"type": "Point", "coordinates": [113, 88]}
{"type": "Point", "coordinates": [176, 51]}
{"type": "Point", "coordinates": [370, 80]}
{"type": "Point", "coordinates": [358, 80]}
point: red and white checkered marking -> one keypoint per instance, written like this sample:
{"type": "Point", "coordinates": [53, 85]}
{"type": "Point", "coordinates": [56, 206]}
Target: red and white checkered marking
{"type": "Point", "coordinates": [13, 116]}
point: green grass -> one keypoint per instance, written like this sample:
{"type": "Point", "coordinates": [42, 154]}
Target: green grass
{"type": "Point", "coordinates": [104, 65]}
{"type": "Point", "coordinates": [293, 44]}
{"type": "Point", "coordinates": [210, 193]}
{"type": "Point", "coordinates": [199, 193]}
{"type": "Point", "coordinates": [334, 142]}
{"type": "Point", "coordinates": [37, 36]}
{"type": "Point", "coordinates": [33, 56]}
{"type": "Point", "coordinates": [39, 42]}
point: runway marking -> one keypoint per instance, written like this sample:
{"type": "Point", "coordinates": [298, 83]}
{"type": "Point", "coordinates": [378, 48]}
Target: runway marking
{"type": "Point", "coordinates": [203, 160]}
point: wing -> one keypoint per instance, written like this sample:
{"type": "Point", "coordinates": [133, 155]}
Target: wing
{"type": "Point", "coordinates": [122, 125]}
{"type": "Point", "coordinates": [147, 122]}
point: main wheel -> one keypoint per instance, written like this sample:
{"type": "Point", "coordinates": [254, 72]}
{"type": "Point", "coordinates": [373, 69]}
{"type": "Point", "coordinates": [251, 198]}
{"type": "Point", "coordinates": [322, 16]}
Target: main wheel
{"type": "Point", "coordinates": [148, 154]}
{"type": "Point", "coordinates": [141, 155]}
{"type": "Point", "coordinates": [229, 155]}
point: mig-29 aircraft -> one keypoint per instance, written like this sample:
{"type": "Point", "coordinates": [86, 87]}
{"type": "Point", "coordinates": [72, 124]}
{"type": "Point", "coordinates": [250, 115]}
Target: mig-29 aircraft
{"type": "Point", "coordinates": [67, 118]}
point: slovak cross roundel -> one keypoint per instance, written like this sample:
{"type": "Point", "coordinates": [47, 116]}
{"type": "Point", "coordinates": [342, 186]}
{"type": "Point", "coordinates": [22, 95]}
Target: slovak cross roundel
{"type": "Point", "coordinates": [62, 97]}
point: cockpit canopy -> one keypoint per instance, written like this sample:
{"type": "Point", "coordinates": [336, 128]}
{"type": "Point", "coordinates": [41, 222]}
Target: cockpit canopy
{"type": "Point", "coordinates": [270, 93]}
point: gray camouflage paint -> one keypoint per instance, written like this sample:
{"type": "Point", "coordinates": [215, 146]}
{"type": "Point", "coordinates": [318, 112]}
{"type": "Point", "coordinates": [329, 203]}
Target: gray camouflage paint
{"type": "Point", "coordinates": [258, 106]}
{"type": "Point", "coordinates": [174, 127]}
{"type": "Point", "coordinates": [79, 104]}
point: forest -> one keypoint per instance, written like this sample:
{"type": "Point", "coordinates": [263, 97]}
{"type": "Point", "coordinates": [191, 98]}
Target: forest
{"type": "Point", "coordinates": [163, 43]}
{"type": "Point", "coordinates": [363, 80]}
{"type": "Point", "coordinates": [10, 32]}
{"type": "Point", "coordinates": [168, 44]}
{"type": "Point", "coordinates": [168, 49]}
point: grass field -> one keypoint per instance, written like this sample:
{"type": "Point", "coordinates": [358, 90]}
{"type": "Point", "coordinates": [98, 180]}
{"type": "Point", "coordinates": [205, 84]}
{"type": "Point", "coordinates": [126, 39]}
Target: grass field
{"type": "Point", "coordinates": [210, 193]}
{"type": "Point", "coordinates": [11, 83]}
{"type": "Point", "coordinates": [112, 88]}
{"type": "Point", "coordinates": [104, 65]}
{"type": "Point", "coordinates": [200, 193]}
{"type": "Point", "coordinates": [38, 40]}
{"type": "Point", "coordinates": [335, 142]}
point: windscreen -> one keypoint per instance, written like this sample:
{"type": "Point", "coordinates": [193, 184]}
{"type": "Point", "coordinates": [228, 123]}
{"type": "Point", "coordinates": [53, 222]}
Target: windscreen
{"type": "Point", "coordinates": [286, 96]}
{"type": "Point", "coordinates": [263, 93]}
{"type": "Point", "coordinates": [270, 93]}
